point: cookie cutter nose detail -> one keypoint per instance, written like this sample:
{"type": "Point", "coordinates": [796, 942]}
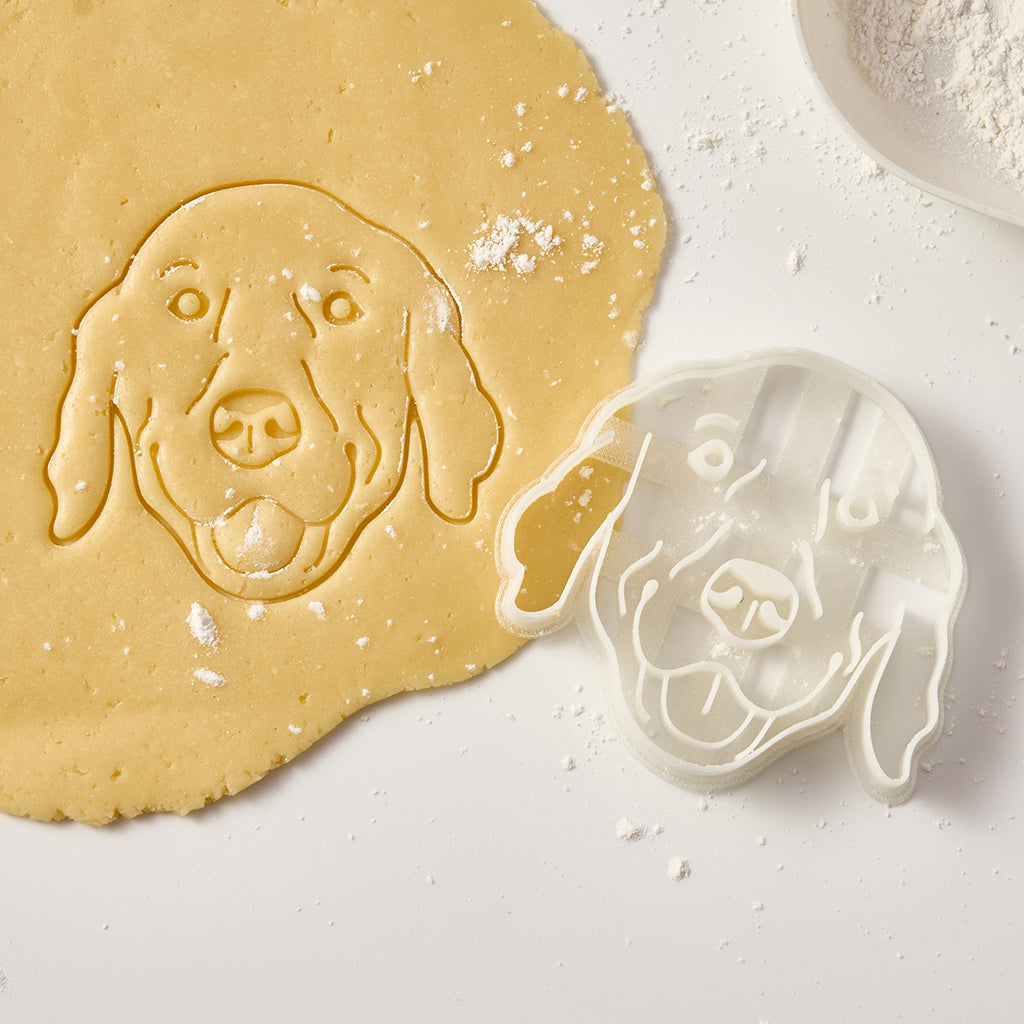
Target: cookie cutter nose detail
{"type": "Point", "coordinates": [252, 427]}
{"type": "Point", "coordinates": [751, 605]}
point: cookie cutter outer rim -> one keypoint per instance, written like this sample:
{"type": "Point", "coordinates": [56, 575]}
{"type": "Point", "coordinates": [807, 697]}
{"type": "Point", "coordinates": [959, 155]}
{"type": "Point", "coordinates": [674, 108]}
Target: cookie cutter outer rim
{"type": "Point", "coordinates": [875, 781]}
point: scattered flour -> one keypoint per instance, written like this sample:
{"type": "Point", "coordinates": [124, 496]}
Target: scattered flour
{"type": "Point", "coordinates": [427, 69]}
{"type": "Point", "coordinates": [706, 140]}
{"type": "Point", "coordinates": [592, 249]}
{"type": "Point", "coordinates": [970, 52]}
{"type": "Point", "coordinates": [208, 676]}
{"type": "Point", "coordinates": [630, 831]}
{"type": "Point", "coordinates": [203, 628]}
{"type": "Point", "coordinates": [678, 869]}
{"type": "Point", "coordinates": [254, 534]}
{"type": "Point", "coordinates": [498, 245]}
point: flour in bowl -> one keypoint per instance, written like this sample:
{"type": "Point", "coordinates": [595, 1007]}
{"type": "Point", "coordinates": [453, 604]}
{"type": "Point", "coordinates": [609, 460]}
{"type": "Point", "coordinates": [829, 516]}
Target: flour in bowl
{"type": "Point", "coordinates": [967, 52]}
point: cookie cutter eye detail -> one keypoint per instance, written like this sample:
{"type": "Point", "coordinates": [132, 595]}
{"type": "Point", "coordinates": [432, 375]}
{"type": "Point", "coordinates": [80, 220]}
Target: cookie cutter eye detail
{"type": "Point", "coordinates": [712, 461]}
{"type": "Point", "coordinates": [339, 309]}
{"type": "Point", "coordinates": [856, 513]}
{"type": "Point", "coordinates": [189, 304]}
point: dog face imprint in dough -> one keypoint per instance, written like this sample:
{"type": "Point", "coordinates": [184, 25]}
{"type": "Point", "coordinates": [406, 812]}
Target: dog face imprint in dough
{"type": "Point", "coordinates": [777, 566]}
{"type": "Point", "coordinates": [268, 352]}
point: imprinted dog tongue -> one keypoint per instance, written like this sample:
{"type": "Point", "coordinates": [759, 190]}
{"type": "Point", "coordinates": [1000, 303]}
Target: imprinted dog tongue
{"type": "Point", "coordinates": [260, 536]}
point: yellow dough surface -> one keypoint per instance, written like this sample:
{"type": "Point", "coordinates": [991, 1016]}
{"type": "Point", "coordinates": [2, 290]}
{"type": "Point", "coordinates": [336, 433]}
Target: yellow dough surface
{"type": "Point", "coordinates": [298, 294]}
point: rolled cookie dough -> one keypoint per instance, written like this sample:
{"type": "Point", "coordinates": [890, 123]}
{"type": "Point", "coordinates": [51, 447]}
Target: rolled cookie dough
{"type": "Point", "coordinates": [297, 296]}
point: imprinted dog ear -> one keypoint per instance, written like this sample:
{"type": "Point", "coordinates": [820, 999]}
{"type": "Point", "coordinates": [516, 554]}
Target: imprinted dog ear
{"type": "Point", "coordinates": [459, 425]}
{"type": "Point", "coordinates": [79, 469]}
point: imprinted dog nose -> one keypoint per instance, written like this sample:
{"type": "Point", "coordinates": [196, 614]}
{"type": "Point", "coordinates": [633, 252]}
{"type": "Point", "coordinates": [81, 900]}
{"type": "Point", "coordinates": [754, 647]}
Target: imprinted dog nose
{"type": "Point", "coordinates": [251, 428]}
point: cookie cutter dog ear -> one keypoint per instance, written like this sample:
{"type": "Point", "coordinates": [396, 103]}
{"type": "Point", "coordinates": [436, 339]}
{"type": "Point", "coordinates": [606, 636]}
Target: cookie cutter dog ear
{"type": "Point", "coordinates": [268, 353]}
{"type": "Point", "coordinates": [770, 563]}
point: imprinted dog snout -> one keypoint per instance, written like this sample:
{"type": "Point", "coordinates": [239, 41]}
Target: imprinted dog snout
{"type": "Point", "coordinates": [253, 427]}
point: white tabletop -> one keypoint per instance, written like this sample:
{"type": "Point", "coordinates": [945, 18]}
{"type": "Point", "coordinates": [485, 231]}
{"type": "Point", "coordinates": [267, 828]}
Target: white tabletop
{"type": "Point", "coordinates": [435, 860]}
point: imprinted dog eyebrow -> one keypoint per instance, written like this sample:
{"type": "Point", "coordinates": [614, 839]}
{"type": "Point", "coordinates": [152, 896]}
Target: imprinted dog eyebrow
{"type": "Point", "coordinates": [379, 451]}
{"type": "Point", "coordinates": [302, 313]}
{"type": "Point", "coordinates": [220, 317]}
{"type": "Point", "coordinates": [206, 384]}
{"type": "Point", "coordinates": [177, 265]}
{"type": "Point", "coordinates": [316, 394]}
{"type": "Point", "coordinates": [344, 267]}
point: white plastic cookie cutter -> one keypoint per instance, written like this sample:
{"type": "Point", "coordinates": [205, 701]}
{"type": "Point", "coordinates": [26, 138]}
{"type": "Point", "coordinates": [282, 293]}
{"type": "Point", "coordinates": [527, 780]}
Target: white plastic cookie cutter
{"type": "Point", "coordinates": [774, 566]}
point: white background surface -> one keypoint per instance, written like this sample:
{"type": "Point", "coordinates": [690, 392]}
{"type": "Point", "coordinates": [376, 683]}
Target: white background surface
{"type": "Point", "coordinates": [434, 861]}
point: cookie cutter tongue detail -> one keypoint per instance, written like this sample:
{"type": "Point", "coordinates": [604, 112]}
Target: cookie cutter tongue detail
{"type": "Point", "coordinates": [773, 564]}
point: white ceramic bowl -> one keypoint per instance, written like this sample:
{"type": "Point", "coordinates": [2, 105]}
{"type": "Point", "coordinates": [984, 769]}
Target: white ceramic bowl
{"type": "Point", "coordinates": [926, 145]}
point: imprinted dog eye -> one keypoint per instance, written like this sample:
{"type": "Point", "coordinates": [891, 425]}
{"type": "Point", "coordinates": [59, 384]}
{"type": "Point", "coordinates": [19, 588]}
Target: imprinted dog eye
{"type": "Point", "coordinates": [189, 304]}
{"type": "Point", "coordinates": [340, 308]}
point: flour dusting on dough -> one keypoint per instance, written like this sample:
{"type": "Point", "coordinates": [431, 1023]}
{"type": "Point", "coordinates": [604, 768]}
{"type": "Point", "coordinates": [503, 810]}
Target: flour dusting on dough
{"type": "Point", "coordinates": [202, 626]}
{"type": "Point", "coordinates": [439, 311]}
{"type": "Point", "coordinates": [208, 676]}
{"type": "Point", "coordinates": [497, 245]}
